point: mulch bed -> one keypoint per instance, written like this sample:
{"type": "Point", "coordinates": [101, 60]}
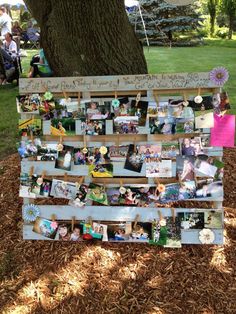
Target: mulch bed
{"type": "Point", "coordinates": [55, 277]}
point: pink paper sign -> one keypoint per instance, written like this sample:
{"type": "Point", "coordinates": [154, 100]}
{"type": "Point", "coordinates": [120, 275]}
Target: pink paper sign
{"type": "Point", "coordinates": [224, 131]}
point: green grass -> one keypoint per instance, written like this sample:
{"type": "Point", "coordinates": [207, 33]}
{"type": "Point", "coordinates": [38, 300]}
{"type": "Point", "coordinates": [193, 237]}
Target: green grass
{"type": "Point", "coordinates": [215, 52]}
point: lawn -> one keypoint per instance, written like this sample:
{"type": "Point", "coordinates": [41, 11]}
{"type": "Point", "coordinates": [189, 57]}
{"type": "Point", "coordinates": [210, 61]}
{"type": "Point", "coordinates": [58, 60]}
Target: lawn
{"type": "Point", "coordinates": [160, 60]}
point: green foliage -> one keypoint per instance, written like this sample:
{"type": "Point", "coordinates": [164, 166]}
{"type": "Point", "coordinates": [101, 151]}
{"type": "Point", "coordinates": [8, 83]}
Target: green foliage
{"type": "Point", "coordinates": [212, 9]}
{"type": "Point", "coordinates": [222, 32]}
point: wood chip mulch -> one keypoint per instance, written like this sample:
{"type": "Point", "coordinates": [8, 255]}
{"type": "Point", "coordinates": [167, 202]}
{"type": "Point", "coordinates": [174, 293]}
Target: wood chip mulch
{"type": "Point", "coordinates": [55, 277]}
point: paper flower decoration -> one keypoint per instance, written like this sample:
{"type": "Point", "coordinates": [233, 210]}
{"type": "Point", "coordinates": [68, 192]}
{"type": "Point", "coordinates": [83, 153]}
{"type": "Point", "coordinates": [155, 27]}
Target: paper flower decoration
{"type": "Point", "coordinates": [60, 147]}
{"type": "Point", "coordinates": [206, 236]}
{"type": "Point", "coordinates": [198, 99]}
{"type": "Point", "coordinates": [54, 225]}
{"type": "Point", "coordinates": [219, 76]}
{"type": "Point", "coordinates": [40, 181]}
{"type": "Point", "coordinates": [48, 96]}
{"type": "Point", "coordinates": [103, 150]}
{"type": "Point", "coordinates": [162, 222]}
{"type": "Point", "coordinates": [161, 188]}
{"type": "Point", "coordinates": [122, 190]}
{"type": "Point", "coordinates": [31, 212]}
{"type": "Point", "coordinates": [115, 103]}
{"type": "Point", "coordinates": [185, 103]}
{"type": "Point", "coordinates": [84, 150]}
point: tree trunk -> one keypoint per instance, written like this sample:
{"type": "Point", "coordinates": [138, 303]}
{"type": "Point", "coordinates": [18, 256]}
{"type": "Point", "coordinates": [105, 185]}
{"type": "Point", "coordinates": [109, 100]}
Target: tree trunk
{"type": "Point", "coordinates": [212, 23]}
{"type": "Point", "coordinates": [92, 37]}
{"type": "Point", "coordinates": [231, 25]}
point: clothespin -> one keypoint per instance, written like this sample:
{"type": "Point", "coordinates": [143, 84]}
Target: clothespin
{"type": "Point", "coordinates": [121, 182]}
{"type": "Point", "coordinates": [136, 220]}
{"type": "Point", "coordinates": [31, 171]}
{"type": "Point", "coordinates": [65, 177]}
{"type": "Point", "coordinates": [43, 174]}
{"type": "Point", "coordinates": [72, 222]}
{"type": "Point", "coordinates": [134, 143]}
{"type": "Point", "coordinates": [53, 217]}
{"type": "Point", "coordinates": [78, 184]}
{"type": "Point", "coordinates": [118, 140]}
{"type": "Point", "coordinates": [65, 95]}
{"type": "Point", "coordinates": [138, 97]}
{"type": "Point", "coordinates": [61, 139]}
{"type": "Point", "coordinates": [115, 94]}
{"type": "Point", "coordinates": [155, 95]}
{"type": "Point", "coordinates": [79, 96]}
{"type": "Point", "coordinates": [173, 214]}
{"type": "Point", "coordinates": [160, 215]}
{"type": "Point", "coordinates": [185, 99]}
{"type": "Point", "coordinates": [90, 220]}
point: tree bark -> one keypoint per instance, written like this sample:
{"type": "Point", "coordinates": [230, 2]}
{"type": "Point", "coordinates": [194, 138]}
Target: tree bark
{"type": "Point", "coordinates": [231, 25]}
{"type": "Point", "coordinates": [92, 37]}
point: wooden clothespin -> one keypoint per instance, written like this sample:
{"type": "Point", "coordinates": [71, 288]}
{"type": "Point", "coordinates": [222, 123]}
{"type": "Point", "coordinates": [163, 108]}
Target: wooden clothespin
{"type": "Point", "coordinates": [115, 94]}
{"type": "Point", "coordinates": [136, 220]}
{"type": "Point", "coordinates": [31, 171]}
{"type": "Point", "coordinates": [43, 174]}
{"type": "Point", "coordinates": [138, 97]}
{"type": "Point", "coordinates": [53, 217]}
{"type": "Point", "coordinates": [121, 182]}
{"type": "Point", "coordinates": [79, 97]}
{"type": "Point", "coordinates": [90, 220]}
{"type": "Point", "coordinates": [65, 177]}
{"type": "Point", "coordinates": [80, 181]}
{"type": "Point", "coordinates": [155, 95]}
{"type": "Point", "coordinates": [173, 214]}
{"type": "Point", "coordinates": [135, 143]}
{"type": "Point", "coordinates": [65, 95]}
{"type": "Point", "coordinates": [160, 215]}
{"type": "Point", "coordinates": [72, 223]}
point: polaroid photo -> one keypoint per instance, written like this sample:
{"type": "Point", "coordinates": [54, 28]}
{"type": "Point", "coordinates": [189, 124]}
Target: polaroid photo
{"type": "Point", "coordinates": [185, 168]}
{"type": "Point", "coordinates": [191, 146]}
{"type": "Point", "coordinates": [99, 231]}
{"type": "Point", "coordinates": [152, 108]}
{"type": "Point", "coordinates": [80, 197]}
{"type": "Point", "coordinates": [171, 193]}
{"type": "Point", "coordinates": [213, 219]}
{"type": "Point", "coordinates": [45, 227]}
{"type": "Point", "coordinates": [160, 169]}
{"type": "Point", "coordinates": [47, 152]}
{"type": "Point", "coordinates": [30, 127]}
{"type": "Point", "coordinates": [97, 193]}
{"type": "Point", "coordinates": [62, 189]}
{"type": "Point", "coordinates": [96, 111]}
{"type": "Point", "coordinates": [25, 186]}
{"type": "Point", "coordinates": [162, 125]}
{"type": "Point", "coordinates": [118, 153]}
{"type": "Point", "coordinates": [126, 125]}
{"type": "Point", "coordinates": [173, 227]}
{"type": "Point", "coordinates": [159, 234]}
{"type": "Point", "coordinates": [204, 119]}
{"type": "Point", "coordinates": [101, 170]}
{"type": "Point", "coordinates": [187, 190]}
{"type": "Point", "coordinates": [119, 232]}
{"type": "Point", "coordinates": [177, 110]}
{"type": "Point", "coordinates": [141, 231]}
{"type": "Point", "coordinates": [29, 148]}
{"type": "Point", "coordinates": [190, 220]}
{"type": "Point", "coordinates": [139, 110]}
{"type": "Point", "coordinates": [41, 186]}
{"type": "Point", "coordinates": [28, 103]}
{"type": "Point", "coordinates": [205, 168]}
{"type": "Point", "coordinates": [209, 188]}
{"type": "Point", "coordinates": [134, 161]}
{"type": "Point", "coordinates": [93, 127]}
{"type": "Point", "coordinates": [185, 125]}
{"type": "Point", "coordinates": [64, 158]}
{"type": "Point", "coordinates": [63, 127]}
{"type": "Point", "coordinates": [169, 150]}
{"type": "Point", "coordinates": [150, 152]}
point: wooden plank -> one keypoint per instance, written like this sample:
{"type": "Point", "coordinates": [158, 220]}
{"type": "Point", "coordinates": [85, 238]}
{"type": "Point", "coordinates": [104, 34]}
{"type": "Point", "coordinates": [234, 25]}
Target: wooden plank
{"type": "Point", "coordinates": [169, 81]}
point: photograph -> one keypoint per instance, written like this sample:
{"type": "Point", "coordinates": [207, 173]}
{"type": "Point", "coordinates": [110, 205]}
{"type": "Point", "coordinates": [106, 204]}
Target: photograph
{"type": "Point", "coordinates": [205, 168]}
{"type": "Point", "coordinates": [207, 102]}
{"type": "Point", "coordinates": [119, 232]}
{"type": "Point", "coordinates": [185, 168]}
{"type": "Point", "coordinates": [47, 152]}
{"type": "Point", "coordinates": [63, 127]}
{"type": "Point", "coordinates": [141, 231]}
{"type": "Point", "coordinates": [160, 169]}
{"type": "Point", "coordinates": [29, 148]}
{"type": "Point", "coordinates": [177, 109]}
{"type": "Point", "coordinates": [126, 125]}
{"type": "Point", "coordinates": [213, 219]}
{"type": "Point", "coordinates": [134, 160]}
{"type": "Point", "coordinates": [64, 231]}
{"type": "Point", "coordinates": [171, 193]}
{"type": "Point", "coordinates": [71, 109]}
{"type": "Point", "coordinates": [139, 110]}
{"type": "Point", "coordinates": [45, 227]}
{"type": "Point", "coordinates": [150, 152]}
{"type": "Point", "coordinates": [94, 156]}
{"type": "Point", "coordinates": [173, 227]}
{"type": "Point", "coordinates": [99, 231]}
{"type": "Point", "coordinates": [97, 193]}
{"type": "Point", "coordinates": [118, 153]}
{"type": "Point", "coordinates": [114, 196]}
{"type": "Point", "coordinates": [124, 107]}
{"type": "Point", "coordinates": [28, 103]}
{"type": "Point", "coordinates": [209, 188]}
{"type": "Point", "coordinates": [164, 125]}
{"type": "Point", "coordinates": [185, 125]}
{"type": "Point", "coordinates": [96, 111]}
{"type": "Point", "coordinates": [152, 108]}
{"type": "Point", "coordinates": [187, 190]}
{"type": "Point", "coordinates": [79, 157]}
{"type": "Point", "coordinates": [80, 197]}
{"type": "Point", "coordinates": [28, 127]}
{"type": "Point", "coordinates": [191, 146]}
{"type": "Point", "coordinates": [162, 109]}
{"type": "Point", "coordinates": [62, 189]}
{"type": "Point", "coordinates": [77, 233]}
{"type": "Point", "coordinates": [41, 186]}
{"type": "Point", "coordinates": [204, 120]}
{"type": "Point", "coordinates": [93, 127]}
{"type": "Point", "coordinates": [170, 150]}
{"type": "Point", "coordinates": [159, 233]}
{"type": "Point", "coordinates": [101, 170]}
{"type": "Point", "coordinates": [25, 186]}
{"type": "Point", "coordinates": [191, 220]}
{"type": "Point", "coordinates": [64, 158]}
{"type": "Point", "coordinates": [51, 109]}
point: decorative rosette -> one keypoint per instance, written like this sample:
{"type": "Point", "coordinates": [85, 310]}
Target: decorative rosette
{"type": "Point", "coordinates": [206, 236]}
{"type": "Point", "coordinates": [31, 212]}
{"type": "Point", "coordinates": [103, 150]}
{"type": "Point", "coordinates": [198, 99]}
{"type": "Point", "coordinates": [60, 147]}
{"type": "Point", "coordinates": [39, 181]}
{"type": "Point", "coordinates": [162, 222]}
{"type": "Point", "coordinates": [219, 76]}
{"type": "Point", "coordinates": [185, 103]}
{"type": "Point", "coordinates": [115, 103]}
{"type": "Point", "coordinates": [48, 96]}
{"type": "Point", "coordinates": [161, 188]}
{"type": "Point", "coordinates": [122, 190]}
{"type": "Point", "coordinates": [84, 150]}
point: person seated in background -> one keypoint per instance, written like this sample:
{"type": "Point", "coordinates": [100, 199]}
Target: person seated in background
{"type": "Point", "coordinates": [17, 33]}
{"type": "Point", "coordinates": [7, 66]}
{"type": "Point", "coordinates": [5, 22]}
{"type": "Point", "coordinates": [9, 45]}
{"type": "Point", "coordinates": [39, 66]}
{"type": "Point", "coordinates": [32, 32]}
